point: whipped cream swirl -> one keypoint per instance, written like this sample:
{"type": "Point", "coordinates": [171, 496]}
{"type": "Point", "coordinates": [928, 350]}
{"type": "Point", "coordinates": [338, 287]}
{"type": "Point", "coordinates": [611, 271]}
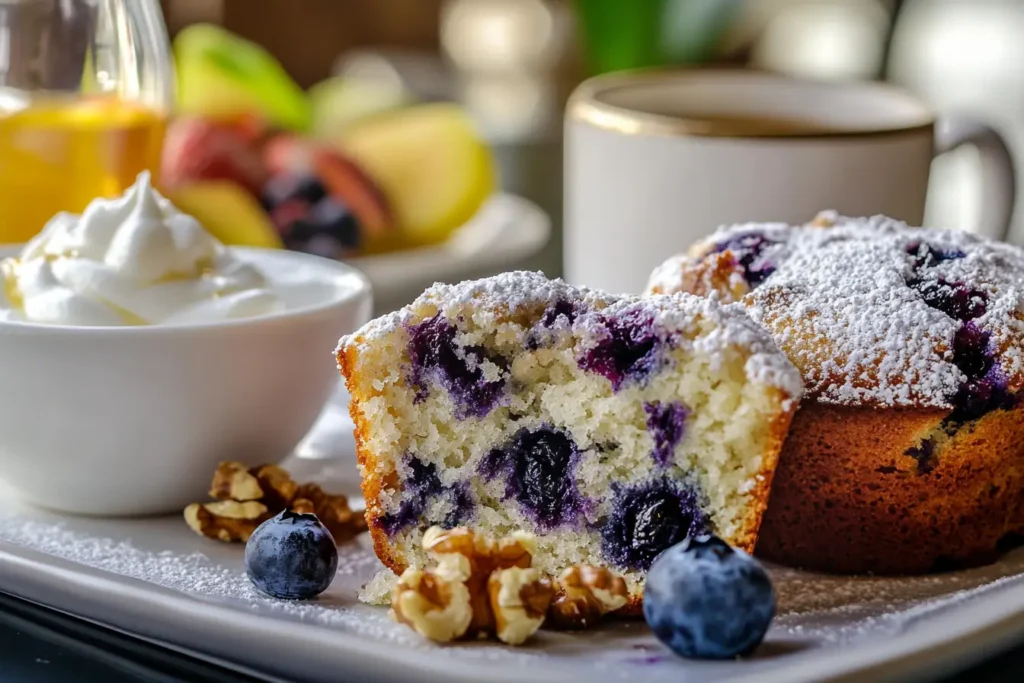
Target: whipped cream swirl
{"type": "Point", "coordinates": [133, 260]}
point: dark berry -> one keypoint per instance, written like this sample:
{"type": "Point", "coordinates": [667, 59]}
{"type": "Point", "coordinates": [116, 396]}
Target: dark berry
{"type": "Point", "coordinates": [627, 351]}
{"type": "Point", "coordinates": [706, 600]}
{"type": "Point", "coordinates": [647, 519]}
{"type": "Point", "coordinates": [978, 397]}
{"type": "Point", "coordinates": [335, 220]}
{"type": "Point", "coordinates": [291, 556]}
{"type": "Point", "coordinates": [927, 256]}
{"type": "Point", "coordinates": [985, 388]}
{"type": "Point", "coordinates": [539, 467]}
{"type": "Point", "coordinates": [955, 299]}
{"type": "Point", "coordinates": [971, 350]}
{"type": "Point", "coordinates": [748, 250]}
{"type": "Point", "coordinates": [286, 187]}
{"type": "Point", "coordinates": [286, 215]}
{"type": "Point", "coordinates": [435, 354]}
{"type": "Point", "coordinates": [667, 424]}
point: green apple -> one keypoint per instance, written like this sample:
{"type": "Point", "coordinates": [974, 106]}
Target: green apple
{"type": "Point", "coordinates": [223, 76]}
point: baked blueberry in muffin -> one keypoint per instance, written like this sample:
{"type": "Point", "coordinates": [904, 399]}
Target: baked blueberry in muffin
{"type": "Point", "coordinates": [610, 427]}
{"type": "Point", "coordinates": [906, 452]}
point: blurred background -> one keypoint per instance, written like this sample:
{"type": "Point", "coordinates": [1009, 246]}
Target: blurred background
{"type": "Point", "coordinates": [357, 87]}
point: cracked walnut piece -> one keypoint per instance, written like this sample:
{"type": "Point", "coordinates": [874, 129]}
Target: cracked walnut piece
{"type": "Point", "coordinates": [226, 520]}
{"type": "Point", "coordinates": [482, 556]}
{"type": "Point", "coordinates": [332, 510]}
{"type": "Point", "coordinates": [503, 594]}
{"type": "Point", "coordinates": [519, 599]}
{"type": "Point", "coordinates": [247, 496]}
{"type": "Point", "coordinates": [269, 484]}
{"type": "Point", "coordinates": [585, 595]}
{"type": "Point", "coordinates": [435, 603]}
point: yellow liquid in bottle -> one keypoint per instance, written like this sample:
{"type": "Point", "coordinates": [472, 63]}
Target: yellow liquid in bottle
{"type": "Point", "coordinates": [60, 154]}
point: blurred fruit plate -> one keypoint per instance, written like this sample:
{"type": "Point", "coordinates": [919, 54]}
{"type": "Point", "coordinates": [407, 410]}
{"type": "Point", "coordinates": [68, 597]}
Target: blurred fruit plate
{"type": "Point", "coordinates": [504, 232]}
{"type": "Point", "coordinates": [153, 578]}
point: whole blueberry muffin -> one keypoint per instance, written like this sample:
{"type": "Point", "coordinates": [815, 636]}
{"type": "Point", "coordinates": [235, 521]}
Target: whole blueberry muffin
{"type": "Point", "coordinates": [610, 427]}
{"type": "Point", "coordinates": [906, 454]}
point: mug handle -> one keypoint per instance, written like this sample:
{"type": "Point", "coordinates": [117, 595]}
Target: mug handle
{"type": "Point", "coordinates": [998, 175]}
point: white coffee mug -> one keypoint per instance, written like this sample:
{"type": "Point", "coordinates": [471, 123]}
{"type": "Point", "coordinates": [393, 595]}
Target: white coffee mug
{"type": "Point", "coordinates": [656, 160]}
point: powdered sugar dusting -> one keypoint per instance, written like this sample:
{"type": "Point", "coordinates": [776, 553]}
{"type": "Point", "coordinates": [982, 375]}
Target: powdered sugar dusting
{"type": "Point", "coordinates": [808, 603]}
{"type": "Point", "coordinates": [839, 302]}
{"type": "Point", "coordinates": [199, 577]}
{"type": "Point", "coordinates": [706, 324]}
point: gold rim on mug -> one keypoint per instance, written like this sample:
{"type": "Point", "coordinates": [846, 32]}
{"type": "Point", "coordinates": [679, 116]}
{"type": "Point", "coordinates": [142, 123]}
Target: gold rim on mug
{"type": "Point", "coordinates": [588, 106]}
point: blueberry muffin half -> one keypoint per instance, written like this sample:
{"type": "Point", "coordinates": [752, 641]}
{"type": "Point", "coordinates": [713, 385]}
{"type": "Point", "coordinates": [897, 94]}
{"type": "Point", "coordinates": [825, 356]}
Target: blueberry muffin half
{"type": "Point", "coordinates": [610, 427]}
{"type": "Point", "coordinates": [908, 451]}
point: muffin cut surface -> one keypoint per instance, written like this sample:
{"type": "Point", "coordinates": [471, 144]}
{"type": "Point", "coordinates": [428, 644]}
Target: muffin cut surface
{"type": "Point", "coordinates": [611, 427]}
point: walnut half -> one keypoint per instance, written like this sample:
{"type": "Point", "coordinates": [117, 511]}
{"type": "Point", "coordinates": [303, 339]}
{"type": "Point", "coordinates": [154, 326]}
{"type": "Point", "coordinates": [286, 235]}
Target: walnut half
{"type": "Point", "coordinates": [585, 595]}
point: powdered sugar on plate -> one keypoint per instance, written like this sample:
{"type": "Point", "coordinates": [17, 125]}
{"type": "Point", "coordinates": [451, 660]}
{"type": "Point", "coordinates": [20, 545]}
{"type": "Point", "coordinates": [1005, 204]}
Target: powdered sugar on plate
{"type": "Point", "coordinates": [815, 611]}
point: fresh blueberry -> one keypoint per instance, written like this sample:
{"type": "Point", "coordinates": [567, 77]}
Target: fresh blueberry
{"type": "Point", "coordinates": [748, 251]}
{"type": "Point", "coordinates": [336, 220]}
{"type": "Point", "coordinates": [435, 354]}
{"type": "Point", "coordinates": [286, 187]}
{"type": "Point", "coordinates": [291, 556]}
{"type": "Point", "coordinates": [326, 228]}
{"type": "Point", "coordinates": [645, 520]}
{"type": "Point", "coordinates": [538, 467]}
{"type": "Point", "coordinates": [706, 600]}
{"type": "Point", "coordinates": [667, 424]}
{"type": "Point", "coordinates": [627, 351]}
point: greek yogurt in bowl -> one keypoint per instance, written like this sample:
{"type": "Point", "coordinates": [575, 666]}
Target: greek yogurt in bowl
{"type": "Point", "coordinates": [139, 352]}
{"type": "Point", "coordinates": [132, 260]}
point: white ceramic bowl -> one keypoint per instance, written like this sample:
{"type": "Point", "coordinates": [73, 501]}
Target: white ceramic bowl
{"type": "Point", "coordinates": [133, 420]}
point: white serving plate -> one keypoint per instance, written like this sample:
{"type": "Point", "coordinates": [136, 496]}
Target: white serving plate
{"type": "Point", "coordinates": [155, 579]}
{"type": "Point", "coordinates": [506, 230]}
